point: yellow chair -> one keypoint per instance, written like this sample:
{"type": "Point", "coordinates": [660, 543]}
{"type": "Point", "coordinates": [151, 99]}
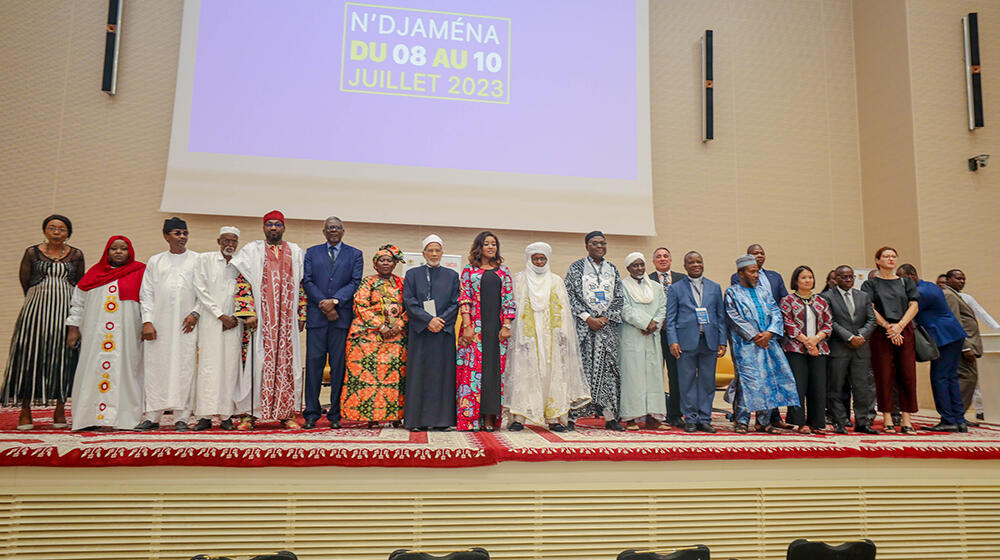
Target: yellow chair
{"type": "Point", "coordinates": [724, 372]}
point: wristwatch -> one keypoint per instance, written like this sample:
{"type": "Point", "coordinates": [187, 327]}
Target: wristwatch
{"type": "Point", "coordinates": [336, 301]}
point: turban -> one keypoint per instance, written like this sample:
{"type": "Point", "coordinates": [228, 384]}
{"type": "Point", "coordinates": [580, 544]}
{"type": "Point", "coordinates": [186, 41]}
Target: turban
{"type": "Point", "coordinates": [229, 229]}
{"type": "Point", "coordinates": [431, 239]}
{"type": "Point", "coordinates": [389, 251]}
{"type": "Point", "coordinates": [274, 215]}
{"type": "Point", "coordinates": [632, 257]}
{"type": "Point", "coordinates": [745, 261]}
{"type": "Point", "coordinates": [171, 224]}
{"type": "Point", "coordinates": [534, 249]}
{"type": "Point", "coordinates": [592, 235]}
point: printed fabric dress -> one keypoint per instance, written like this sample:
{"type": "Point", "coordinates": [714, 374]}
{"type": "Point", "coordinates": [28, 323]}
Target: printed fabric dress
{"type": "Point", "coordinates": [40, 366]}
{"type": "Point", "coordinates": [489, 297]}
{"type": "Point", "coordinates": [376, 367]}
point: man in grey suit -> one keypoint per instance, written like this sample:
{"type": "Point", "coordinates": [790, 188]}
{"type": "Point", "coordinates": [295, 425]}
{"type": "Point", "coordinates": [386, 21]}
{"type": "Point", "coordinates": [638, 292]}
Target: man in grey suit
{"type": "Point", "coordinates": [850, 354]}
{"type": "Point", "coordinates": [968, 370]}
{"type": "Point", "coordinates": [666, 277]}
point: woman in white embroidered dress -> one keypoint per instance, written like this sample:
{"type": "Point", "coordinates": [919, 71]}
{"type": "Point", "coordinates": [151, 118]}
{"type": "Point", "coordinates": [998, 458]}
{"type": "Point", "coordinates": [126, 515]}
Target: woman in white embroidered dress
{"type": "Point", "coordinates": [104, 317]}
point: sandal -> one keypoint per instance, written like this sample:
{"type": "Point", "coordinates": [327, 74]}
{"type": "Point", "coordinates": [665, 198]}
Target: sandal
{"type": "Point", "coordinates": [888, 429]}
{"type": "Point", "coordinates": [741, 428]}
{"type": "Point", "coordinates": [805, 430]}
{"type": "Point", "coordinates": [908, 430]}
{"type": "Point", "coordinates": [771, 429]}
{"type": "Point", "coordinates": [291, 424]}
{"type": "Point", "coordinates": [246, 423]}
{"type": "Point", "coordinates": [632, 427]}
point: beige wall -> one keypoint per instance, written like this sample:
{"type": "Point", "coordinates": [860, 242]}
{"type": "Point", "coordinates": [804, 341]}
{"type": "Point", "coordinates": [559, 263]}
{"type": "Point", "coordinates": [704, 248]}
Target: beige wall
{"type": "Point", "coordinates": [785, 169]}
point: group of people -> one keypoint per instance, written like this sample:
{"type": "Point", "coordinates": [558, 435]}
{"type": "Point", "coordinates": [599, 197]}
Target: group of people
{"type": "Point", "coordinates": [216, 335]}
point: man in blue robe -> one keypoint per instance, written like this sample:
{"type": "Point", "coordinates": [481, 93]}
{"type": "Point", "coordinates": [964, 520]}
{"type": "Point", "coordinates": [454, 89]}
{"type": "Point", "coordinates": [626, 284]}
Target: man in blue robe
{"type": "Point", "coordinates": [763, 379]}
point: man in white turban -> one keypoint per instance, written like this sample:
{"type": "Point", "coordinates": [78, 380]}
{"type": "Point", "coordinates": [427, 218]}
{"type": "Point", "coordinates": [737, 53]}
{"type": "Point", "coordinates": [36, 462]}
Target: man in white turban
{"type": "Point", "coordinates": [640, 357]}
{"type": "Point", "coordinates": [430, 295]}
{"type": "Point", "coordinates": [220, 333]}
{"type": "Point", "coordinates": [543, 379]}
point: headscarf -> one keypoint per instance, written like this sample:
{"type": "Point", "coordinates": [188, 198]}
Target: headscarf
{"type": "Point", "coordinates": [170, 224]}
{"type": "Point", "coordinates": [229, 229]}
{"type": "Point", "coordinates": [538, 278]}
{"type": "Point", "coordinates": [129, 275]}
{"type": "Point", "coordinates": [593, 234]}
{"type": "Point", "coordinates": [431, 239]}
{"type": "Point", "coordinates": [641, 292]}
{"type": "Point", "coordinates": [274, 215]}
{"type": "Point", "coordinates": [745, 261]}
{"type": "Point", "coordinates": [632, 257]}
{"type": "Point", "coordinates": [389, 251]}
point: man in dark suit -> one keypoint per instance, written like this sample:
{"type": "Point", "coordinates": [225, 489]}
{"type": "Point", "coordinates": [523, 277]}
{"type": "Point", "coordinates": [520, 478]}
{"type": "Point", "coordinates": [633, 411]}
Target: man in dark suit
{"type": "Point", "coordinates": [332, 275]}
{"type": "Point", "coordinates": [664, 276]}
{"type": "Point", "coordinates": [850, 354]}
{"type": "Point", "coordinates": [696, 331]}
{"type": "Point", "coordinates": [776, 284]}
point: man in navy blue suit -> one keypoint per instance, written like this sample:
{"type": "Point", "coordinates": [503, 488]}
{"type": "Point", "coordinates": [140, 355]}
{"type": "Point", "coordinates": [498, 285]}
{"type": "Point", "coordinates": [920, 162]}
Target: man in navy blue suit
{"type": "Point", "coordinates": [696, 332]}
{"type": "Point", "coordinates": [332, 275]}
{"type": "Point", "coordinates": [773, 280]}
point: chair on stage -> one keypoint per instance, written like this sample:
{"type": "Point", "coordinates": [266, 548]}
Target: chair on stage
{"type": "Point", "coordinates": [802, 549]}
{"type": "Point", "coordinates": [470, 554]}
{"type": "Point", "coordinates": [696, 552]}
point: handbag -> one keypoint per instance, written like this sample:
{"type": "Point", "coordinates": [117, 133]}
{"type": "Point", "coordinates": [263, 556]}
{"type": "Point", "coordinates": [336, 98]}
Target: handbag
{"type": "Point", "coordinates": [923, 346]}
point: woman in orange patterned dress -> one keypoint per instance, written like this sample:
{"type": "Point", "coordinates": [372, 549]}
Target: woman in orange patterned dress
{"type": "Point", "coordinates": [376, 346]}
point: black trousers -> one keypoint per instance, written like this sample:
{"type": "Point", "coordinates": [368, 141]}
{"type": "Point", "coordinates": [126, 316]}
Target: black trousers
{"type": "Point", "coordinates": [810, 379]}
{"type": "Point", "coordinates": [673, 385]}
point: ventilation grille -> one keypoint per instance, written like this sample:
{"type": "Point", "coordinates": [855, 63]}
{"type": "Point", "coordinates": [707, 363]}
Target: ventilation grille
{"type": "Point", "coordinates": [906, 522]}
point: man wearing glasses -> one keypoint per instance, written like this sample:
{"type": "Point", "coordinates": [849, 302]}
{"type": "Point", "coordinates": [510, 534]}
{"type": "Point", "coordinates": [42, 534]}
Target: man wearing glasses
{"type": "Point", "coordinates": [850, 354]}
{"type": "Point", "coordinates": [332, 275]}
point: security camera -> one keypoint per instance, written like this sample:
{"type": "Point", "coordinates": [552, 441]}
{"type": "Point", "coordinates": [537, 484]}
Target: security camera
{"type": "Point", "coordinates": [976, 162]}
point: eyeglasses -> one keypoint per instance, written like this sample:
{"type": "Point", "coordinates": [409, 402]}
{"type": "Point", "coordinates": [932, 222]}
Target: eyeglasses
{"type": "Point", "coordinates": [333, 228]}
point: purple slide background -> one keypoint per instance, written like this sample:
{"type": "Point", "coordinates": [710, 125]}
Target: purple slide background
{"type": "Point", "coordinates": [267, 84]}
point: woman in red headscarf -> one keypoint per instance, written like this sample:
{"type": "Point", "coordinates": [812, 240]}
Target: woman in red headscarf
{"type": "Point", "coordinates": [104, 318]}
{"type": "Point", "coordinates": [376, 346]}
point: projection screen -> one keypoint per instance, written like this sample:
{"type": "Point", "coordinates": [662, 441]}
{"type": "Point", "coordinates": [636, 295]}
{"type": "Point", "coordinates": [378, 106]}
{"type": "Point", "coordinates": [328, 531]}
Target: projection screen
{"type": "Point", "coordinates": [517, 114]}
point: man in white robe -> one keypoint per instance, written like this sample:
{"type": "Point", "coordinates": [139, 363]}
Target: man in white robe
{"type": "Point", "coordinates": [169, 329]}
{"type": "Point", "coordinates": [544, 379]}
{"type": "Point", "coordinates": [220, 334]}
{"type": "Point", "coordinates": [270, 385]}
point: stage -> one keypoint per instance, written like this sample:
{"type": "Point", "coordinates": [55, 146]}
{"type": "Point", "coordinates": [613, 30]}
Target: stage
{"type": "Point", "coordinates": [533, 494]}
{"type": "Point", "coordinates": [355, 445]}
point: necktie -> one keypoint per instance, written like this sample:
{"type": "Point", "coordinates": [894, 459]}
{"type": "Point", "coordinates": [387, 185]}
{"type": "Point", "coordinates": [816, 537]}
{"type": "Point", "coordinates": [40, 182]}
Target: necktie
{"type": "Point", "coordinates": [333, 255]}
{"type": "Point", "coordinates": [849, 300]}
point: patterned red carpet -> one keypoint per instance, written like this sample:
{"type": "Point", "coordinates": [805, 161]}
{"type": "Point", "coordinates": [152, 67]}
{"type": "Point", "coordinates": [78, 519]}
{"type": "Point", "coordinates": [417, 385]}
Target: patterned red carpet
{"type": "Point", "coordinates": [356, 445]}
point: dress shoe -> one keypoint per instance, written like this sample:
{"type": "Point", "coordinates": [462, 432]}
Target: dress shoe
{"type": "Point", "coordinates": [942, 427]}
{"type": "Point", "coordinates": [181, 426]}
{"type": "Point", "coordinates": [864, 429]}
{"type": "Point", "coordinates": [963, 428]}
{"type": "Point", "coordinates": [849, 424]}
{"type": "Point", "coordinates": [418, 429]}
{"type": "Point", "coordinates": [966, 423]}
{"type": "Point", "coordinates": [309, 424]}
{"type": "Point", "coordinates": [515, 426]}
{"type": "Point", "coordinates": [335, 425]}
{"type": "Point", "coordinates": [690, 427]}
{"type": "Point", "coordinates": [839, 428]}
{"type": "Point", "coordinates": [571, 426]}
{"type": "Point", "coordinates": [203, 424]}
{"type": "Point", "coordinates": [558, 428]}
{"type": "Point", "coordinates": [980, 416]}
{"type": "Point", "coordinates": [147, 425]}
{"type": "Point", "coordinates": [614, 426]}
{"type": "Point", "coordinates": [227, 424]}
{"type": "Point", "coordinates": [676, 422]}
{"type": "Point", "coordinates": [705, 427]}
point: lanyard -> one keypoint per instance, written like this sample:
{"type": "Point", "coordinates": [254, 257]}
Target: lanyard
{"type": "Point", "coordinates": [597, 270]}
{"type": "Point", "coordinates": [430, 292]}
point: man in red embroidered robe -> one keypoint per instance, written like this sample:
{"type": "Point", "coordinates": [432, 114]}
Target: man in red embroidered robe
{"type": "Point", "coordinates": [269, 299]}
